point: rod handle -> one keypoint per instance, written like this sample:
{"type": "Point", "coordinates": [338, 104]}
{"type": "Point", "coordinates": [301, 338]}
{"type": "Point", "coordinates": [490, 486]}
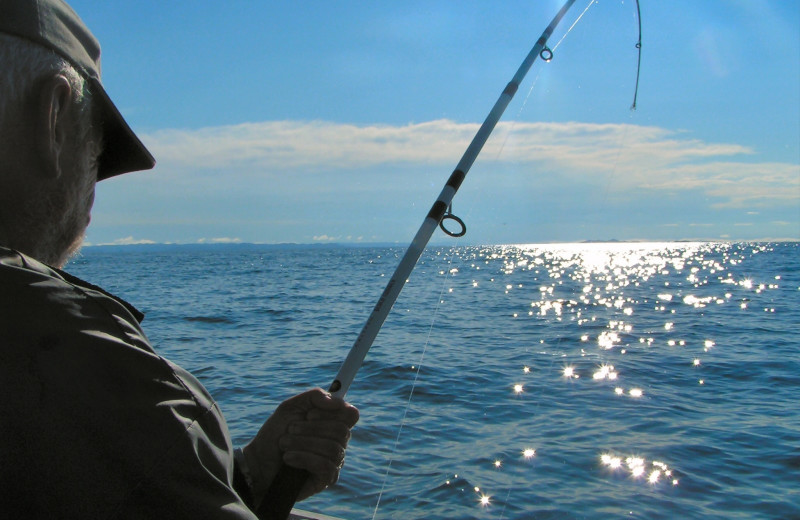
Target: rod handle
{"type": "Point", "coordinates": [282, 494]}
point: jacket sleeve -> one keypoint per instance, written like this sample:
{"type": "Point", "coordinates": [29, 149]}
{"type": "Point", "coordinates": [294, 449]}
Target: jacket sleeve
{"type": "Point", "coordinates": [94, 423]}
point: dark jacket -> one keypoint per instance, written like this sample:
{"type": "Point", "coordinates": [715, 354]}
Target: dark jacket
{"type": "Point", "coordinates": [93, 423]}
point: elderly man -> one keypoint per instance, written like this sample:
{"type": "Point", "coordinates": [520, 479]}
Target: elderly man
{"type": "Point", "coordinates": [93, 423]}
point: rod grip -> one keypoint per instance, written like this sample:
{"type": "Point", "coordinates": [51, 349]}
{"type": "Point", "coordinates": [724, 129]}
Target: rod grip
{"type": "Point", "coordinates": [282, 494]}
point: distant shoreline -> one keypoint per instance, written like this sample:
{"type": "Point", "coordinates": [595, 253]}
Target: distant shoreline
{"type": "Point", "coordinates": [252, 246]}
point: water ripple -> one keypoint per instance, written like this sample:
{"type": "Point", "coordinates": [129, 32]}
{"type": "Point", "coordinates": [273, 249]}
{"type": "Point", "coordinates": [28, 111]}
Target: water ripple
{"type": "Point", "coordinates": [531, 381]}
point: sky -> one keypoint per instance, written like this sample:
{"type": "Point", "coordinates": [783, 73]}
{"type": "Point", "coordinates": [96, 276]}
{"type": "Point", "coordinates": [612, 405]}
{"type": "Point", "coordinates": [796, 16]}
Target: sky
{"type": "Point", "coordinates": [315, 121]}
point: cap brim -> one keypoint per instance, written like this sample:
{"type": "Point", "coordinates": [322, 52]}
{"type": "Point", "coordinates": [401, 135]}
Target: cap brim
{"type": "Point", "coordinates": [123, 152]}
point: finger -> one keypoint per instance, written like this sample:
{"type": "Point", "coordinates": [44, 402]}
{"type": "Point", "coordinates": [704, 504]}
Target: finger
{"type": "Point", "coordinates": [328, 449]}
{"type": "Point", "coordinates": [328, 429]}
{"type": "Point", "coordinates": [320, 402]}
{"type": "Point", "coordinates": [322, 399]}
{"type": "Point", "coordinates": [343, 412]}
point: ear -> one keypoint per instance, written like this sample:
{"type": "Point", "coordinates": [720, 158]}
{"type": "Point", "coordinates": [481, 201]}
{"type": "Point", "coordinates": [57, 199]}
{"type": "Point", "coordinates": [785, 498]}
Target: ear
{"type": "Point", "coordinates": [53, 115]}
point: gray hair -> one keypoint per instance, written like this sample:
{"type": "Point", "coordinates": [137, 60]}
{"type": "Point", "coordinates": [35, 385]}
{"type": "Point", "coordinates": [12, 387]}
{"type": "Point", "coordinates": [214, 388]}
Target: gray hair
{"type": "Point", "coordinates": [22, 63]}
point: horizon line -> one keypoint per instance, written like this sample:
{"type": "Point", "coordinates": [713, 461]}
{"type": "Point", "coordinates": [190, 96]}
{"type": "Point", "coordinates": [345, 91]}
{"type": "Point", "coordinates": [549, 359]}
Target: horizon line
{"type": "Point", "coordinates": [440, 244]}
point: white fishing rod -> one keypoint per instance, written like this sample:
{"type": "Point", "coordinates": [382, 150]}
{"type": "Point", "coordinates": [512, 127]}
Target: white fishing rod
{"type": "Point", "coordinates": [363, 343]}
{"type": "Point", "coordinates": [281, 496]}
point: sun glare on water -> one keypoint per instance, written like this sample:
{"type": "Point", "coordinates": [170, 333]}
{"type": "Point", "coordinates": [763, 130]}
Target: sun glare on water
{"type": "Point", "coordinates": [528, 453]}
{"type": "Point", "coordinates": [596, 334]}
{"type": "Point", "coordinates": [638, 467]}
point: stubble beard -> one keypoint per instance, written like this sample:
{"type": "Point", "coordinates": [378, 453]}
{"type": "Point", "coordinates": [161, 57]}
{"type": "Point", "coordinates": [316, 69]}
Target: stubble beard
{"type": "Point", "coordinates": [72, 202]}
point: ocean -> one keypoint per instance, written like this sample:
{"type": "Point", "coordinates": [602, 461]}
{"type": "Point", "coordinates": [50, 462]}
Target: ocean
{"type": "Point", "coordinates": [561, 381]}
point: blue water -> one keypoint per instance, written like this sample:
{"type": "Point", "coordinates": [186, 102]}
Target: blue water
{"type": "Point", "coordinates": [644, 380]}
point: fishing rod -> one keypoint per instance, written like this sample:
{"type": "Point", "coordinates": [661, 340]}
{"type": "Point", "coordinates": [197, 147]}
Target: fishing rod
{"type": "Point", "coordinates": [282, 495]}
{"type": "Point", "coordinates": [639, 50]}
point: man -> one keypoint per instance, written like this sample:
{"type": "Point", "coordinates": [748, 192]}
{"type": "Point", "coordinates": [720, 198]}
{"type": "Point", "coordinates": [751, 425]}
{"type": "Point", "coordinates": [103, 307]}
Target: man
{"type": "Point", "coordinates": [93, 423]}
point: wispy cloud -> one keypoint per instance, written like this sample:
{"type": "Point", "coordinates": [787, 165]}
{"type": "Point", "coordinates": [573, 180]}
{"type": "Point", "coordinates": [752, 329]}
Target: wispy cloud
{"type": "Point", "coordinates": [282, 145]}
{"type": "Point", "coordinates": [638, 157]}
{"type": "Point", "coordinates": [219, 240]}
{"type": "Point", "coordinates": [321, 144]}
{"type": "Point", "coordinates": [325, 238]}
{"type": "Point", "coordinates": [128, 241]}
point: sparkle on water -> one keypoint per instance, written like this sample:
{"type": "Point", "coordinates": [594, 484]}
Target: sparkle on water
{"type": "Point", "coordinates": [604, 271]}
{"type": "Point", "coordinates": [606, 325]}
{"type": "Point", "coordinates": [637, 467]}
{"type": "Point", "coordinates": [528, 453]}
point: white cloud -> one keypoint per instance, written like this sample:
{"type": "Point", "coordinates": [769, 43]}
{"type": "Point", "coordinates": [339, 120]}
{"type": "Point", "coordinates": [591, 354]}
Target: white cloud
{"type": "Point", "coordinates": [320, 144]}
{"type": "Point", "coordinates": [631, 156]}
{"type": "Point", "coordinates": [736, 184]}
{"type": "Point", "coordinates": [128, 241]}
{"type": "Point", "coordinates": [324, 238]}
{"type": "Point", "coordinates": [284, 145]}
{"type": "Point", "coordinates": [219, 240]}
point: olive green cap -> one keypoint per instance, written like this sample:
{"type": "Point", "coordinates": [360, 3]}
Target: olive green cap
{"type": "Point", "coordinates": [54, 25]}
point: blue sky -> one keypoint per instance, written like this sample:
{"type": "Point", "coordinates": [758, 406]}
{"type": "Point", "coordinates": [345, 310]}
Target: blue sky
{"type": "Point", "coordinates": [340, 121]}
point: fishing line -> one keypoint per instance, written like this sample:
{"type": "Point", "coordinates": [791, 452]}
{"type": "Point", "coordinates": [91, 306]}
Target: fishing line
{"type": "Point", "coordinates": [516, 119]}
{"type": "Point", "coordinates": [623, 139]}
{"type": "Point", "coordinates": [546, 54]}
{"type": "Point", "coordinates": [282, 493]}
{"type": "Point", "coordinates": [503, 512]}
{"type": "Point", "coordinates": [615, 167]}
{"type": "Point", "coordinates": [568, 30]}
{"type": "Point", "coordinates": [549, 57]}
{"type": "Point", "coordinates": [626, 129]}
{"type": "Point", "coordinates": [413, 387]}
